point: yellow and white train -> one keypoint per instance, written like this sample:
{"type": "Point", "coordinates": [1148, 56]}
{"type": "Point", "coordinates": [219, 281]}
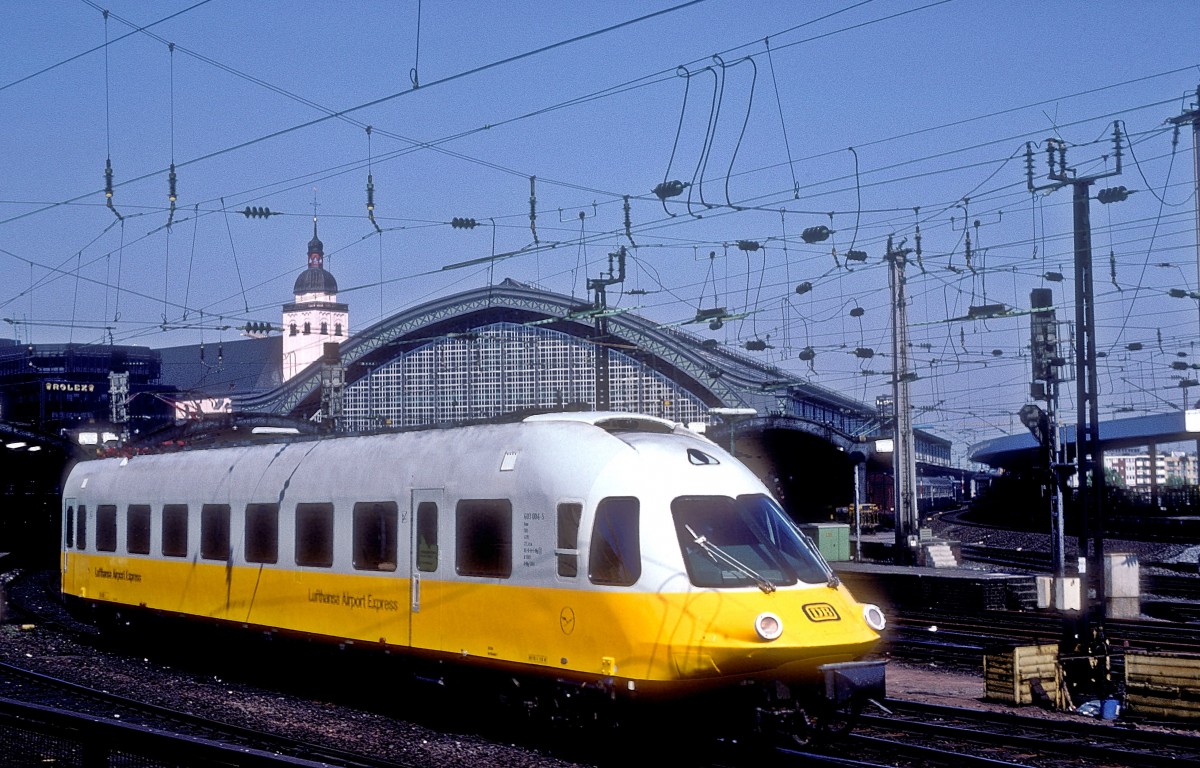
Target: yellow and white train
{"type": "Point", "coordinates": [603, 551]}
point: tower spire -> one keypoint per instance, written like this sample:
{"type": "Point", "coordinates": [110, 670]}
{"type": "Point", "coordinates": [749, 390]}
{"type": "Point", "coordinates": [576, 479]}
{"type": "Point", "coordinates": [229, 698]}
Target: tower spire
{"type": "Point", "coordinates": [316, 250]}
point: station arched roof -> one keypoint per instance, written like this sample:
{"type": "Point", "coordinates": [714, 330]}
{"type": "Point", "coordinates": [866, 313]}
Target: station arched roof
{"type": "Point", "coordinates": [715, 374]}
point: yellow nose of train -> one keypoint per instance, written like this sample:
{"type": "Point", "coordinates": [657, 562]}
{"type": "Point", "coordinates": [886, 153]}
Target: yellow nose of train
{"type": "Point", "coordinates": [787, 633]}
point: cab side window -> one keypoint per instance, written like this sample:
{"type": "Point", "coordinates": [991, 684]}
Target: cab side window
{"type": "Point", "coordinates": [615, 557]}
{"type": "Point", "coordinates": [566, 550]}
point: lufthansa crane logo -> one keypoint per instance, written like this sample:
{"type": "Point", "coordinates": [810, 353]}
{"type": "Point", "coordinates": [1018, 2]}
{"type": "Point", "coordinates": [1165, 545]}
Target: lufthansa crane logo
{"type": "Point", "coordinates": [821, 612]}
{"type": "Point", "coordinates": [566, 621]}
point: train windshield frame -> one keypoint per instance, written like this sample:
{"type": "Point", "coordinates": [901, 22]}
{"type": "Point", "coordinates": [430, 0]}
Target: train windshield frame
{"type": "Point", "coordinates": [752, 531]}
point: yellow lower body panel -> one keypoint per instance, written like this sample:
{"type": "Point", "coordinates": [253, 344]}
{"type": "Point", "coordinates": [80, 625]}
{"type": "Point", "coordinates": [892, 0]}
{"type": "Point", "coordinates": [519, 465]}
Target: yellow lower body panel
{"type": "Point", "coordinates": [699, 635]}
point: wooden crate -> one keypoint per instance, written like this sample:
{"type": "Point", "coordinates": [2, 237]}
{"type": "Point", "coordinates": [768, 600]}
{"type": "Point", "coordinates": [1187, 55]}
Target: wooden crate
{"type": "Point", "coordinates": [1008, 674]}
{"type": "Point", "coordinates": [1163, 684]}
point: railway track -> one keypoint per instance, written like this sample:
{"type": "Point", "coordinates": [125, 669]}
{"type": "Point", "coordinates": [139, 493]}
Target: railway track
{"type": "Point", "coordinates": [907, 734]}
{"type": "Point", "coordinates": [1016, 627]}
{"type": "Point", "coordinates": [881, 740]}
{"type": "Point", "coordinates": [1175, 585]}
{"type": "Point", "coordinates": [967, 737]}
{"type": "Point", "coordinates": [1156, 529]}
{"type": "Point", "coordinates": [960, 642]}
{"type": "Point", "coordinates": [325, 709]}
{"type": "Point", "coordinates": [119, 720]}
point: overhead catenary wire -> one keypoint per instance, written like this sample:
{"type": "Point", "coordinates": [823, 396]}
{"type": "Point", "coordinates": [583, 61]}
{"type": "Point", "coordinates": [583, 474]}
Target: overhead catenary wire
{"type": "Point", "coordinates": [344, 113]}
{"type": "Point", "coordinates": [745, 122]}
{"type": "Point", "coordinates": [89, 51]}
{"type": "Point", "coordinates": [233, 251]}
{"type": "Point", "coordinates": [414, 74]}
{"type": "Point", "coordinates": [782, 122]}
{"type": "Point", "coordinates": [108, 168]}
{"type": "Point", "coordinates": [869, 223]}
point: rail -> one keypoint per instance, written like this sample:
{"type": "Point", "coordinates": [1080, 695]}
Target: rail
{"type": "Point", "coordinates": [36, 735]}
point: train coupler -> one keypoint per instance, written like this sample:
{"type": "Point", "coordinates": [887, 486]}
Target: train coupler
{"type": "Point", "coordinates": [854, 681]}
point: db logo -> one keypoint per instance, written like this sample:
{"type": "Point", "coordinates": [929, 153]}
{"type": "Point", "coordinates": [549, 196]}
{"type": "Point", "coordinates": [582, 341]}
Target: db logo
{"type": "Point", "coordinates": [821, 612]}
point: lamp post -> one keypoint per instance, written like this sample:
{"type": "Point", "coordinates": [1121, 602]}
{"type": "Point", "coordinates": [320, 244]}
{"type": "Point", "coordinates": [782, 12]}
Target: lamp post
{"type": "Point", "coordinates": [857, 459]}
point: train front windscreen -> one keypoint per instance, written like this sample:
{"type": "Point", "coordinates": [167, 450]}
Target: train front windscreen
{"type": "Point", "coordinates": [743, 542]}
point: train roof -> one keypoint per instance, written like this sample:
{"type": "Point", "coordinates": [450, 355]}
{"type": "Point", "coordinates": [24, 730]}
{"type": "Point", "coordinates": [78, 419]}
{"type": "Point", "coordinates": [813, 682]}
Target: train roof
{"type": "Point", "coordinates": [234, 432]}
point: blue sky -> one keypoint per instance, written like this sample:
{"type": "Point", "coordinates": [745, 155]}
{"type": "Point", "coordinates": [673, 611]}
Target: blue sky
{"type": "Point", "coordinates": [937, 100]}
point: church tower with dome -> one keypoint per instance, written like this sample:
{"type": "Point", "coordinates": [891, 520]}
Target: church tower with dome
{"type": "Point", "coordinates": [315, 317]}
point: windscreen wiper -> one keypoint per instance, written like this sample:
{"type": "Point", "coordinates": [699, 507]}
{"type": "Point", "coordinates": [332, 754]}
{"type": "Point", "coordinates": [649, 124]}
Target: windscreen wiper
{"type": "Point", "coordinates": [720, 556]}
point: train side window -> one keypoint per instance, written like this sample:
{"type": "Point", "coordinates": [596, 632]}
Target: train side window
{"type": "Point", "coordinates": [567, 545]}
{"type": "Point", "coordinates": [375, 535]}
{"type": "Point", "coordinates": [137, 529]}
{"type": "Point", "coordinates": [262, 533]}
{"type": "Point", "coordinates": [214, 531]}
{"type": "Point", "coordinates": [70, 526]}
{"type": "Point", "coordinates": [427, 537]}
{"type": "Point", "coordinates": [81, 527]}
{"type": "Point", "coordinates": [314, 535]}
{"type": "Point", "coordinates": [106, 528]}
{"type": "Point", "coordinates": [175, 530]}
{"type": "Point", "coordinates": [615, 558]}
{"type": "Point", "coordinates": [483, 538]}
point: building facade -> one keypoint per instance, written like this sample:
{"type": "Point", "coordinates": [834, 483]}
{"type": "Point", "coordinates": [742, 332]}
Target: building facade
{"type": "Point", "coordinates": [60, 387]}
{"type": "Point", "coordinates": [1140, 471]}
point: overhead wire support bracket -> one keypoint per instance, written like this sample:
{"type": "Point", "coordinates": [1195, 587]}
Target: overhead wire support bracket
{"type": "Point", "coordinates": [580, 215]}
{"type": "Point", "coordinates": [1192, 116]}
{"type": "Point", "coordinates": [1061, 176]}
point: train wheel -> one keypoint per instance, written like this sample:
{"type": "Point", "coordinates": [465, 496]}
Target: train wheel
{"type": "Point", "coordinates": [784, 724]}
{"type": "Point", "coordinates": [803, 730]}
{"type": "Point", "coordinates": [833, 721]}
{"type": "Point", "coordinates": [820, 723]}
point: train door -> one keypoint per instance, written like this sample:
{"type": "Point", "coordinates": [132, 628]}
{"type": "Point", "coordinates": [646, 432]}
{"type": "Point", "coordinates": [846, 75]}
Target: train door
{"type": "Point", "coordinates": [66, 540]}
{"type": "Point", "coordinates": [427, 564]}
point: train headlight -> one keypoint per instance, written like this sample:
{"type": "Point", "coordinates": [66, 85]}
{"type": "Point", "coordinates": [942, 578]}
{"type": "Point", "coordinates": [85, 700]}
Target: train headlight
{"type": "Point", "coordinates": [768, 626]}
{"type": "Point", "coordinates": [874, 617]}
